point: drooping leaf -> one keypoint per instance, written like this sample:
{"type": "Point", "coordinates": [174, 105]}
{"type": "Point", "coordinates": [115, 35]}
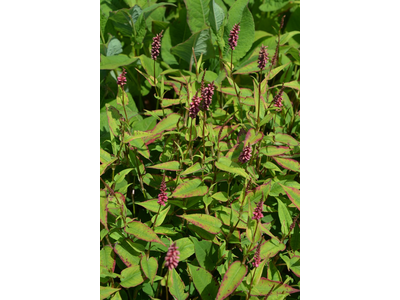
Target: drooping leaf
{"type": "Point", "coordinates": [206, 222]}
{"type": "Point", "coordinates": [190, 188]}
{"type": "Point", "coordinates": [131, 277]}
{"type": "Point", "coordinates": [127, 253]}
{"type": "Point", "coordinates": [168, 123]}
{"type": "Point", "coordinates": [176, 285]}
{"type": "Point", "coordinates": [274, 150]}
{"type": "Point", "coordinates": [285, 138]}
{"type": "Point", "coordinates": [143, 232]}
{"type": "Point", "coordinates": [204, 282]}
{"type": "Point", "coordinates": [232, 278]}
{"type": "Point", "coordinates": [192, 169]}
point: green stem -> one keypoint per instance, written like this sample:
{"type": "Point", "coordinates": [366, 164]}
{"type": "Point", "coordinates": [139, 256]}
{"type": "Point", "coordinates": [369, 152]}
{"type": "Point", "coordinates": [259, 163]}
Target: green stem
{"type": "Point", "coordinates": [259, 100]}
{"type": "Point", "coordinates": [190, 138]}
{"type": "Point", "coordinates": [204, 143]}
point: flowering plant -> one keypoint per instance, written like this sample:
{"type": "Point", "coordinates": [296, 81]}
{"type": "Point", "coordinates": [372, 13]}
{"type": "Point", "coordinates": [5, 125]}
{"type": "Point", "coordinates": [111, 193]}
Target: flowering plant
{"type": "Point", "coordinates": [199, 150]}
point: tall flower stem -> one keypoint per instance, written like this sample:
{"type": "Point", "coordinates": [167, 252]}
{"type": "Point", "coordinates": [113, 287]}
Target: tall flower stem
{"type": "Point", "coordinates": [204, 143]}
{"type": "Point", "coordinates": [259, 100]}
{"type": "Point", "coordinates": [152, 227]}
{"type": "Point", "coordinates": [190, 138]}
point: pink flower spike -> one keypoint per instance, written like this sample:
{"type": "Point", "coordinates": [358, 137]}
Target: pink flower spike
{"type": "Point", "coordinates": [257, 215]}
{"type": "Point", "coordinates": [156, 45]}
{"type": "Point", "coordinates": [162, 197]}
{"type": "Point", "coordinates": [234, 36]}
{"type": "Point", "coordinates": [257, 258]}
{"type": "Point", "coordinates": [121, 80]}
{"type": "Point", "coordinates": [206, 94]}
{"type": "Point", "coordinates": [194, 107]}
{"type": "Point", "coordinates": [262, 57]}
{"type": "Point", "coordinates": [245, 156]}
{"type": "Point", "coordinates": [172, 258]}
{"type": "Point", "coordinates": [278, 98]}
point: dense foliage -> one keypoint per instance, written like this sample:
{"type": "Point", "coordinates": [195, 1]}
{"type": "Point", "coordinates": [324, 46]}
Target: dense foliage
{"type": "Point", "coordinates": [199, 149]}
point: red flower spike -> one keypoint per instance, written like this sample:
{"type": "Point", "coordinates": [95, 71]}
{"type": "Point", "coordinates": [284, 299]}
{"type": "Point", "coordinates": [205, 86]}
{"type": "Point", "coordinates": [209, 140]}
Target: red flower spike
{"type": "Point", "coordinates": [257, 214]}
{"type": "Point", "coordinates": [121, 80]}
{"type": "Point", "coordinates": [262, 57]}
{"type": "Point", "coordinates": [194, 107]}
{"type": "Point", "coordinates": [257, 259]}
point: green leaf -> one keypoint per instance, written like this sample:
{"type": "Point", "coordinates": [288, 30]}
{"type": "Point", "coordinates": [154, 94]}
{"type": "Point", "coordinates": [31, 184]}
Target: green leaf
{"type": "Point", "coordinates": [193, 169]}
{"type": "Point", "coordinates": [274, 150]}
{"type": "Point", "coordinates": [114, 47]}
{"type": "Point", "coordinates": [293, 194]}
{"type": "Point", "coordinates": [190, 188]}
{"type": "Point", "coordinates": [197, 14]}
{"type": "Point", "coordinates": [127, 253]}
{"type": "Point", "coordinates": [104, 166]}
{"type": "Point", "coordinates": [106, 291]}
{"type": "Point", "coordinates": [206, 253]}
{"type": "Point", "coordinates": [168, 123]}
{"type": "Point", "coordinates": [286, 139]}
{"type": "Point", "coordinates": [204, 282]}
{"type": "Point", "coordinates": [143, 232]}
{"type": "Point", "coordinates": [288, 163]}
{"type": "Point", "coordinates": [161, 216]}
{"type": "Point", "coordinates": [113, 116]}
{"type": "Point", "coordinates": [284, 217]}
{"type": "Point", "coordinates": [287, 36]}
{"type": "Point", "coordinates": [151, 205]}
{"type": "Point", "coordinates": [121, 175]}
{"type": "Point", "coordinates": [170, 166]}
{"type": "Point", "coordinates": [176, 285]}
{"type": "Point", "coordinates": [270, 248]}
{"type": "Point", "coordinates": [252, 138]}
{"type": "Point", "coordinates": [107, 258]}
{"type": "Point", "coordinates": [200, 41]}
{"type": "Point", "coordinates": [264, 286]}
{"type": "Point", "coordinates": [221, 196]}
{"type": "Point", "coordinates": [206, 222]}
{"type": "Point", "coordinates": [149, 267]}
{"type": "Point", "coordinates": [216, 16]}
{"type": "Point", "coordinates": [239, 13]}
{"type": "Point", "coordinates": [131, 277]}
{"type": "Point", "coordinates": [225, 164]}
{"type": "Point", "coordinates": [136, 135]}
{"type": "Point", "coordinates": [232, 278]}
{"type": "Point", "coordinates": [103, 210]}
{"type": "Point", "coordinates": [185, 247]}
{"type": "Point", "coordinates": [116, 61]}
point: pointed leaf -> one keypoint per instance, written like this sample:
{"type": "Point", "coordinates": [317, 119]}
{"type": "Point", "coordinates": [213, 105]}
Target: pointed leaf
{"type": "Point", "coordinates": [186, 248]}
{"type": "Point", "coordinates": [293, 194]}
{"type": "Point", "coordinates": [149, 267]}
{"type": "Point", "coordinates": [136, 135]}
{"type": "Point", "coordinates": [106, 291]}
{"type": "Point", "coordinates": [103, 210]}
{"type": "Point", "coordinates": [170, 166]}
{"type": "Point", "coordinates": [116, 61]}
{"type": "Point", "coordinates": [206, 253]}
{"type": "Point", "coordinates": [204, 282]}
{"type": "Point", "coordinates": [225, 164]}
{"type": "Point", "coordinates": [161, 216]}
{"type": "Point", "coordinates": [264, 287]}
{"type": "Point", "coordinates": [143, 232]}
{"type": "Point", "coordinates": [216, 16]}
{"type": "Point", "coordinates": [197, 14]}
{"type": "Point", "coordinates": [274, 150]}
{"type": "Point", "coordinates": [107, 258]}
{"type": "Point", "coordinates": [286, 139]}
{"type": "Point", "coordinates": [288, 163]}
{"type": "Point", "coordinates": [168, 123]}
{"type": "Point", "coordinates": [270, 248]}
{"type": "Point", "coordinates": [206, 222]}
{"type": "Point", "coordinates": [151, 205]}
{"type": "Point", "coordinates": [252, 138]}
{"type": "Point", "coordinates": [131, 277]}
{"type": "Point", "coordinates": [190, 188]}
{"type": "Point", "coordinates": [284, 217]}
{"type": "Point", "coordinates": [176, 285]}
{"type": "Point", "coordinates": [127, 253]}
{"type": "Point", "coordinates": [195, 168]}
{"type": "Point", "coordinates": [232, 278]}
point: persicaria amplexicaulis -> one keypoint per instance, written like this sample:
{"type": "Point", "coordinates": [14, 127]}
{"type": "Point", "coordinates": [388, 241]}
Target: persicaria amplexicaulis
{"type": "Point", "coordinates": [234, 36]}
{"type": "Point", "coordinates": [121, 80]}
{"type": "Point", "coordinates": [172, 258]}
{"type": "Point", "coordinates": [245, 155]}
{"type": "Point", "coordinates": [257, 259]}
{"type": "Point", "coordinates": [278, 98]}
{"type": "Point", "coordinates": [257, 214]}
{"type": "Point", "coordinates": [162, 197]}
{"type": "Point", "coordinates": [194, 107]}
{"type": "Point", "coordinates": [206, 94]}
{"type": "Point", "coordinates": [262, 57]}
{"type": "Point", "coordinates": [156, 45]}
